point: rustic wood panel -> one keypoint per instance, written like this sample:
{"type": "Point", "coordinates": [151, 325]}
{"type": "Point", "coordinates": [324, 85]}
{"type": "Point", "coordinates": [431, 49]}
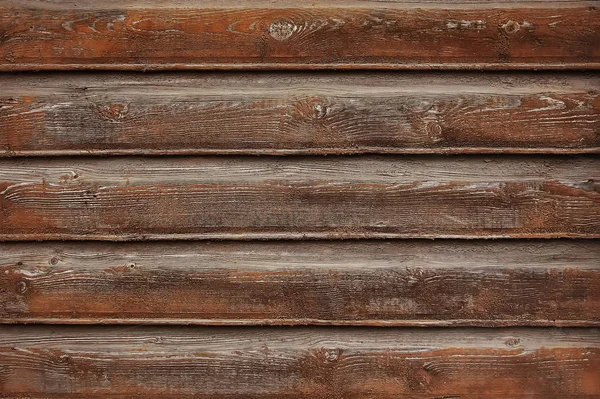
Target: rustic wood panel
{"type": "Point", "coordinates": [159, 362]}
{"type": "Point", "coordinates": [343, 283]}
{"type": "Point", "coordinates": [277, 113]}
{"type": "Point", "coordinates": [299, 197]}
{"type": "Point", "coordinates": [298, 34]}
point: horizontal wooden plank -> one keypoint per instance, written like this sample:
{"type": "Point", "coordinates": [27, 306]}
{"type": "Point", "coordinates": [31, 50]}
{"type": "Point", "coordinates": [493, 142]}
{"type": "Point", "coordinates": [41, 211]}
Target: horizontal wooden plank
{"type": "Point", "coordinates": [274, 113]}
{"type": "Point", "coordinates": [299, 197]}
{"type": "Point", "coordinates": [298, 35]}
{"type": "Point", "coordinates": [400, 283]}
{"type": "Point", "coordinates": [274, 4]}
{"type": "Point", "coordinates": [159, 362]}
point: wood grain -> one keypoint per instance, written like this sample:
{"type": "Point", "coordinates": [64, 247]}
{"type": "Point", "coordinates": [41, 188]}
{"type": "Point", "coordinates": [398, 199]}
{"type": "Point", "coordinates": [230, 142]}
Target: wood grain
{"type": "Point", "coordinates": [159, 362]}
{"type": "Point", "coordinates": [400, 283]}
{"type": "Point", "coordinates": [80, 114]}
{"type": "Point", "coordinates": [147, 35]}
{"type": "Point", "coordinates": [299, 197]}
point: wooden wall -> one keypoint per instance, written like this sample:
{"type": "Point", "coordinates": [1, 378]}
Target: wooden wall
{"type": "Point", "coordinates": [308, 199]}
{"type": "Point", "coordinates": [301, 34]}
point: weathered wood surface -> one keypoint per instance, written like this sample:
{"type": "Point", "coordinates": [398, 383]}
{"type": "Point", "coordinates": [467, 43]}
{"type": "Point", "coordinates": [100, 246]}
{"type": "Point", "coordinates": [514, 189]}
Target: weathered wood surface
{"type": "Point", "coordinates": [204, 362]}
{"type": "Point", "coordinates": [299, 197]}
{"type": "Point", "coordinates": [400, 283]}
{"type": "Point", "coordinates": [274, 113]}
{"type": "Point", "coordinates": [298, 34]}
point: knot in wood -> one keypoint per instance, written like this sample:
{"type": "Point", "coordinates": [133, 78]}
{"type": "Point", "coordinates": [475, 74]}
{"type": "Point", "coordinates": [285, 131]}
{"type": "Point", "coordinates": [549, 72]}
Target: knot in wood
{"type": "Point", "coordinates": [331, 355]}
{"type": "Point", "coordinates": [282, 30]}
{"type": "Point", "coordinates": [64, 358]}
{"type": "Point", "coordinates": [157, 340]}
{"type": "Point", "coordinates": [512, 342]}
{"type": "Point", "coordinates": [511, 26]}
{"type": "Point", "coordinates": [114, 112]}
{"type": "Point", "coordinates": [465, 24]}
{"type": "Point", "coordinates": [434, 130]}
{"type": "Point", "coordinates": [22, 287]}
{"type": "Point", "coordinates": [320, 110]}
{"type": "Point", "coordinates": [313, 109]}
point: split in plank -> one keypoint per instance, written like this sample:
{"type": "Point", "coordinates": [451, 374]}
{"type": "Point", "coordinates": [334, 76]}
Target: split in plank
{"type": "Point", "coordinates": [400, 283]}
{"type": "Point", "coordinates": [134, 198]}
{"type": "Point", "coordinates": [205, 362]}
{"type": "Point", "coordinates": [304, 34]}
{"type": "Point", "coordinates": [282, 113]}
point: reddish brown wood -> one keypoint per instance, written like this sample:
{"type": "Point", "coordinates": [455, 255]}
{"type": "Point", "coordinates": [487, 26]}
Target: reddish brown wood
{"type": "Point", "coordinates": [394, 283]}
{"type": "Point", "coordinates": [96, 362]}
{"type": "Point", "coordinates": [80, 114]}
{"type": "Point", "coordinates": [311, 197]}
{"type": "Point", "coordinates": [298, 35]}
{"type": "Point", "coordinates": [398, 283]}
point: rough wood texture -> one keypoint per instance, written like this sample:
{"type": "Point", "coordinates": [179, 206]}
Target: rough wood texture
{"type": "Point", "coordinates": [343, 283]}
{"type": "Point", "coordinates": [298, 34]}
{"type": "Point", "coordinates": [277, 113]}
{"type": "Point", "coordinates": [160, 362]}
{"type": "Point", "coordinates": [299, 197]}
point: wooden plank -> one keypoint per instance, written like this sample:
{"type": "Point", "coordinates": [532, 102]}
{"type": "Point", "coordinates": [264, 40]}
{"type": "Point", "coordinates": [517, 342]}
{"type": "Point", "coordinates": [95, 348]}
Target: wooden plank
{"type": "Point", "coordinates": [142, 35]}
{"type": "Point", "coordinates": [302, 197]}
{"type": "Point", "coordinates": [399, 283]}
{"type": "Point", "coordinates": [79, 114]}
{"type": "Point", "coordinates": [159, 362]}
